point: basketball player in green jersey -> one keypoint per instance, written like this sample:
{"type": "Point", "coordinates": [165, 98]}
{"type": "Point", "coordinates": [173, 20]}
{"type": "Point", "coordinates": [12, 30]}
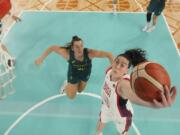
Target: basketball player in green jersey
{"type": "Point", "coordinates": [79, 59]}
{"type": "Point", "coordinates": [156, 7]}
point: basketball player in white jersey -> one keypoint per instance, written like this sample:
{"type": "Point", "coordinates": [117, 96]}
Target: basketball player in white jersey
{"type": "Point", "coordinates": [117, 93]}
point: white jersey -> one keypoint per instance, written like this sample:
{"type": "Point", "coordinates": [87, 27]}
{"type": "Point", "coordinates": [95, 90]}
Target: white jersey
{"type": "Point", "coordinates": [116, 105]}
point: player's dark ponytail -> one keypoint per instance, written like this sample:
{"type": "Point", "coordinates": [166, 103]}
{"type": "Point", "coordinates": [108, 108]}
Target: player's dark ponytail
{"type": "Point", "coordinates": [135, 56]}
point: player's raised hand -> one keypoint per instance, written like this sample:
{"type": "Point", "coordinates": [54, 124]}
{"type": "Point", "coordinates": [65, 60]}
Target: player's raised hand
{"type": "Point", "coordinates": [168, 98]}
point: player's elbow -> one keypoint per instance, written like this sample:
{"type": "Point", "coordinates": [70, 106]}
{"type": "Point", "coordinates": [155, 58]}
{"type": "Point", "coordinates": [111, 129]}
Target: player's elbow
{"type": "Point", "coordinates": [53, 48]}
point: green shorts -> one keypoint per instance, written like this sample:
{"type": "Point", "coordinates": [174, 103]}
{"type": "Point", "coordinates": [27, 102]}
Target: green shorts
{"type": "Point", "coordinates": [156, 6]}
{"type": "Point", "coordinates": [75, 78]}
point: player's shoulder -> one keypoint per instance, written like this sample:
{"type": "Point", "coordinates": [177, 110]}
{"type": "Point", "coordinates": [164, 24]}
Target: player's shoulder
{"type": "Point", "coordinates": [124, 81]}
{"type": "Point", "coordinates": [126, 77]}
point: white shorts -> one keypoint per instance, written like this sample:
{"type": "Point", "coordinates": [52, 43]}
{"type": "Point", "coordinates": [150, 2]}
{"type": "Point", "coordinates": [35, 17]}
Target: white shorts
{"type": "Point", "coordinates": [122, 123]}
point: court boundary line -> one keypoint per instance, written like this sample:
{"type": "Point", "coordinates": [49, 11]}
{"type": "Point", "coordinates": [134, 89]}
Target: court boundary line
{"type": "Point", "coordinates": [10, 27]}
{"type": "Point", "coordinates": [76, 11]}
{"type": "Point", "coordinates": [174, 42]}
{"type": "Point", "coordinates": [42, 102]}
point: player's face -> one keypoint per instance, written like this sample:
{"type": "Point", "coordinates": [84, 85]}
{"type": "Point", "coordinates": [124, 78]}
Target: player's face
{"type": "Point", "coordinates": [78, 48]}
{"type": "Point", "coordinates": [120, 66]}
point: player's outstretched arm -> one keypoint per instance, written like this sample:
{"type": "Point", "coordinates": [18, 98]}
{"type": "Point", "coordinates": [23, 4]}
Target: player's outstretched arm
{"type": "Point", "coordinates": [100, 54]}
{"type": "Point", "coordinates": [57, 49]}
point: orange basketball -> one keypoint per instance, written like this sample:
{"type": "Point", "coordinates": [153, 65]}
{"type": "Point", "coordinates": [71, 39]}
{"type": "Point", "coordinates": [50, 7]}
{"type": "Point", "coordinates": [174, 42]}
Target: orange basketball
{"type": "Point", "coordinates": [147, 80]}
{"type": "Point", "coordinates": [5, 6]}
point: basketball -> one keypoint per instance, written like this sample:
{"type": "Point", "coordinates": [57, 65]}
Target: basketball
{"type": "Point", "coordinates": [148, 79]}
{"type": "Point", "coordinates": [5, 6]}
